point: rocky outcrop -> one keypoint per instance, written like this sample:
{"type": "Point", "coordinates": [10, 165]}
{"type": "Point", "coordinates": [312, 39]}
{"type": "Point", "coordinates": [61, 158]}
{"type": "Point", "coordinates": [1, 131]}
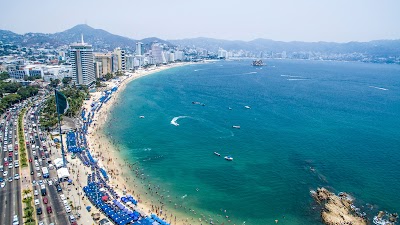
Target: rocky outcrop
{"type": "Point", "coordinates": [337, 209]}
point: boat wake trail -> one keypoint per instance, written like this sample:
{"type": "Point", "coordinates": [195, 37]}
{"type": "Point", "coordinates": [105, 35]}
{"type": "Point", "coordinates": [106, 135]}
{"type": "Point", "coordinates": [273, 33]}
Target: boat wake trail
{"type": "Point", "coordinates": [250, 73]}
{"type": "Point", "coordinates": [174, 121]}
{"type": "Point", "coordinates": [379, 88]}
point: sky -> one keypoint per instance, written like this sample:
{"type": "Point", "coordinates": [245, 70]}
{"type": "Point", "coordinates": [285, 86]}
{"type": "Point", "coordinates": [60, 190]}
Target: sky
{"type": "Point", "coordinates": [281, 20]}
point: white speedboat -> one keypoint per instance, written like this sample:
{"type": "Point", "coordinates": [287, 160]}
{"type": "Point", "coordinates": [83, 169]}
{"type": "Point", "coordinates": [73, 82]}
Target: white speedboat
{"type": "Point", "coordinates": [229, 158]}
{"type": "Point", "coordinates": [216, 153]}
{"type": "Point", "coordinates": [141, 117]}
{"type": "Point", "coordinates": [235, 126]}
{"type": "Point", "coordinates": [247, 107]}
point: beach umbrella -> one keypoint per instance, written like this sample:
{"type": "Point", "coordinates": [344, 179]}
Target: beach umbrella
{"type": "Point", "coordinates": [104, 198]}
{"type": "Point", "coordinates": [88, 208]}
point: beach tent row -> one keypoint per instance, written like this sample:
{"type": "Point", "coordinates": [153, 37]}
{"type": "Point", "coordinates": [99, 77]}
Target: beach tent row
{"type": "Point", "coordinates": [116, 214]}
{"type": "Point", "coordinates": [104, 173]}
{"type": "Point", "coordinates": [71, 143]}
{"type": "Point", "coordinates": [147, 221]}
{"type": "Point", "coordinates": [160, 221]}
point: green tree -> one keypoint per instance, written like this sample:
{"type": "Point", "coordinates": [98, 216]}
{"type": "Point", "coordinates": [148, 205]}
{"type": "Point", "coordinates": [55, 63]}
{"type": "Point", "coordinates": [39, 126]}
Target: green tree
{"type": "Point", "coordinates": [54, 83]}
{"type": "Point", "coordinates": [108, 76]}
{"type": "Point", "coordinates": [66, 81]}
{"type": "Point", "coordinates": [4, 76]}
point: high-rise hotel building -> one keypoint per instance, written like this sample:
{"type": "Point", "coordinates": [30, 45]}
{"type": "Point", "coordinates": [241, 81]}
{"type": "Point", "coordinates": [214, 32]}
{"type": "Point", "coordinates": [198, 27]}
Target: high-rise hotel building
{"type": "Point", "coordinates": [81, 55]}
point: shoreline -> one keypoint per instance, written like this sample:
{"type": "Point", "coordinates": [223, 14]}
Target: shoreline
{"type": "Point", "coordinates": [122, 174]}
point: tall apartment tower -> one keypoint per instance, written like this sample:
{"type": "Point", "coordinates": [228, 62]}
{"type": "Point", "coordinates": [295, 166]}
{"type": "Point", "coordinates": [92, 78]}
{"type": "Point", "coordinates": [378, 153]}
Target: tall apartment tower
{"type": "Point", "coordinates": [106, 61]}
{"type": "Point", "coordinates": [157, 53]}
{"type": "Point", "coordinates": [81, 55]}
{"type": "Point", "coordinates": [120, 55]}
{"type": "Point", "coordinates": [139, 48]}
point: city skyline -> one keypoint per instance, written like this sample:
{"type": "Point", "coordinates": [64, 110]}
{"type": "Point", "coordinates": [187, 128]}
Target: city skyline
{"type": "Point", "coordinates": [309, 21]}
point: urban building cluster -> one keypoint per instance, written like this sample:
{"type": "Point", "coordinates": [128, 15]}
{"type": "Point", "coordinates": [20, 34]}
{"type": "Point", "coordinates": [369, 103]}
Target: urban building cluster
{"type": "Point", "coordinates": [80, 62]}
{"type": "Point", "coordinates": [83, 64]}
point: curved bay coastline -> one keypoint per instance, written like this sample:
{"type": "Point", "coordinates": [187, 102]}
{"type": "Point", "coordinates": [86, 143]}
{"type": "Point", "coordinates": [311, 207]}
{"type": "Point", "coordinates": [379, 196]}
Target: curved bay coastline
{"type": "Point", "coordinates": [128, 177]}
{"type": "Point", "coordinates": [141, 181]}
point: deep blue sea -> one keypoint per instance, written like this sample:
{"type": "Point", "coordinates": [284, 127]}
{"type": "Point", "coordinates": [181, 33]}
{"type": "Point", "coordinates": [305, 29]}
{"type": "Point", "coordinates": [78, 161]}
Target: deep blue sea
{"type": "Point", "coordinates": [310, 124]}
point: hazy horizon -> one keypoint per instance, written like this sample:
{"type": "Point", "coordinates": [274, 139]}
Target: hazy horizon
{"type": "Point", "coordinates": [288, 20]}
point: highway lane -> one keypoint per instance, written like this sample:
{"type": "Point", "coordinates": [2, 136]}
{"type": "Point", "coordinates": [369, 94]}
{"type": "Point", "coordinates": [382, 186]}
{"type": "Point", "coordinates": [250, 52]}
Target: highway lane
{"type": "Point", "coordinates": [59, 215]}
{"type": "Point", "coordinates": [32, 131]}
{"type": "Point", "coordinates": [11, 196]}
{"type": "Point", "coordinates": [18, 199]}
{"type": "Point", "coordinates": [4, 190]}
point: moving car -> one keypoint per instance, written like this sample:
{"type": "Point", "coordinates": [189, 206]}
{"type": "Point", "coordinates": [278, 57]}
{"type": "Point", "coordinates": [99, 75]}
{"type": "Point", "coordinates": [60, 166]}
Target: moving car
{"type": "Point", "coordinates": [49, 210]}
{"type": "Point", "coordinates": [39, 211]}
{"type": "Point", "coordinates": [36, 201]}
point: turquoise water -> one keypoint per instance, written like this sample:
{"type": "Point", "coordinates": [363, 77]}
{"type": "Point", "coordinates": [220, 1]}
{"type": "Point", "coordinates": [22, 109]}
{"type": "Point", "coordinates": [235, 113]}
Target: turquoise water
{"type": "Point", "coordinates": [311, 124]}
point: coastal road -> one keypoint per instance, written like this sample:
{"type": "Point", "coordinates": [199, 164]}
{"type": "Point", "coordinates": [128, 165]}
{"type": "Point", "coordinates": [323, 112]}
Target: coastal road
{"type": "Point", "coordinates": [58, 215]}
{"type": "Point", "coordinates": [10, 195]}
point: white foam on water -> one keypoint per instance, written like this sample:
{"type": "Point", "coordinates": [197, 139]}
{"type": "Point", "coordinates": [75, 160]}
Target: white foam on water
{"type": "Point", "coordinates": [297, 79]}
{"type": "Point", "coordinates": [291, 76]}
{"type": "Point", "coordinates": [379, 88]}
{"type": "Point", "coordinates": [250, 73]}
{"type": "Point", "coordinates": [174, 121]}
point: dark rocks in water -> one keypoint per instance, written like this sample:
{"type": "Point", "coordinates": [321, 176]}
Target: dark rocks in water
{"type": "Point", "coordinates": [337, 209]}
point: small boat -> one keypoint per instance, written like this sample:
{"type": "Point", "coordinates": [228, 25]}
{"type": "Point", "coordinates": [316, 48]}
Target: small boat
{"type": "Point", "coordinates": [216, 153]}
{"type": "Point", "coordinates": [198, 103]}
{"type": "Point", "coordinates": [235, 126]}
{"type": "Point", "coordinates": [229, 158]}
{"type": "Point", "coordinates": [247, 107]}
{"type": "Point", "coordinates": [258, 63]}
{"type": "Point", "coordinates": [141, 117]}
{"type": "Point", "coordinates": [230, 108]}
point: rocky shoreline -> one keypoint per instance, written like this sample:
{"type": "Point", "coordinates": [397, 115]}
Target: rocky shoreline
{"type": "Point", "coordinates": [337, 209]}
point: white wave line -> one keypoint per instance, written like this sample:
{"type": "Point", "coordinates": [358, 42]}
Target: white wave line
{"type": "Point", "coordinates": [379, 88]}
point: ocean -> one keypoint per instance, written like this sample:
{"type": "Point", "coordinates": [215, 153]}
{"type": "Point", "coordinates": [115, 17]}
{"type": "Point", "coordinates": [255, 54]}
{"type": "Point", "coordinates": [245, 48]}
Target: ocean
{"type": "Point", "coordinates": [309, 124]}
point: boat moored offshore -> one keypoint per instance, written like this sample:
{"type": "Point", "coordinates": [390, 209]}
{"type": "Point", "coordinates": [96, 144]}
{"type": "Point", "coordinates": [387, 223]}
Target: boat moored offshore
{"type": "Point", "coordinates": [258, 63]}
{"type": "Point", "coordinates": [229, 158]}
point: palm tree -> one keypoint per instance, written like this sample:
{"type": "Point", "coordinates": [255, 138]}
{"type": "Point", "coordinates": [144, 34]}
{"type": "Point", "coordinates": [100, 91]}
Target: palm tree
{"type": "Point", "coordinates": [26, 192]}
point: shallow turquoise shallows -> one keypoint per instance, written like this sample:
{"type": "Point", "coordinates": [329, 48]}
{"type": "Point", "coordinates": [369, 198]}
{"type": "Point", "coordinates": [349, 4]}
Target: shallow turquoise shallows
{"type": "Point", "coordinates": [309, 124]}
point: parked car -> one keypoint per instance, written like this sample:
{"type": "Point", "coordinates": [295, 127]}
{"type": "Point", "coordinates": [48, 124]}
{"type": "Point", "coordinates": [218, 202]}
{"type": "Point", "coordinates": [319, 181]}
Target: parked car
{"type": "Point", "coordinates": [39, 211]}
{"type": "Point", "coordinates": [49, 210]}
{"type": "Point", "coordinates": [45, 200]}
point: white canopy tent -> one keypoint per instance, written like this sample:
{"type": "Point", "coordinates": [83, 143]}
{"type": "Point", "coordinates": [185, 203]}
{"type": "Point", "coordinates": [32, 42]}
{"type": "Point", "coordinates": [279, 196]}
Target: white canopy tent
{"type": "Point", "coordinates": [63, 174]}
{"type": "Point", "coordinates": [58, 163]}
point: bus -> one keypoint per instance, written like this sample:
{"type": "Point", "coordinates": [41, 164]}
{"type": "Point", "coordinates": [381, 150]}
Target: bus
{"type": "Point", "coordinates": [45, 172]}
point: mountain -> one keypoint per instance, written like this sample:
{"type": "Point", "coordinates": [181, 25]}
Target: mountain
{"type": "Point", "coordinates": [97, 37]}
{"type": "Point", "coordinates": [100, 39]}
{"type": "Point", "coordinates": [376, 48]}
{"type": "Point", "coordinates": [103, 40]}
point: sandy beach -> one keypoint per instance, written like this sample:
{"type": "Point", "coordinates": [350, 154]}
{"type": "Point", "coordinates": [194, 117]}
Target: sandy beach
{"type": "Point", "coordinates": [124, 177]}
